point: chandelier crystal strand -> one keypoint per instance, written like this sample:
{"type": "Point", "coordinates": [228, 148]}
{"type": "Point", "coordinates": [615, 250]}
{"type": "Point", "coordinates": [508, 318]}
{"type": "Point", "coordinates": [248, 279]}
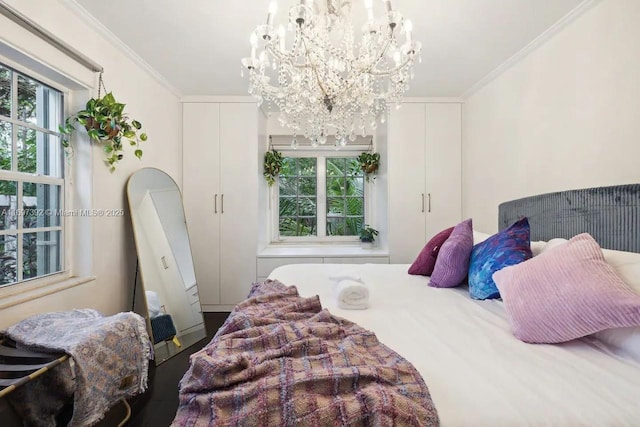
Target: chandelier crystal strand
{"type": "Point", "coordinates": [325, 76]}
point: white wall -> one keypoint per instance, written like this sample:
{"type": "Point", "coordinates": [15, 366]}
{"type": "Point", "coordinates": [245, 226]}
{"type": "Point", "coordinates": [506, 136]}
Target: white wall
{"type": "Point", "coordinates": [113, 256]}
{"type": "Point", "coordinates": [566, 116]}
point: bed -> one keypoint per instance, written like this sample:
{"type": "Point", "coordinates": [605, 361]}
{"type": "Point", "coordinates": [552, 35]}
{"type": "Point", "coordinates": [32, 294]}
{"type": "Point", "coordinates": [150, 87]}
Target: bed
{"type": "Point", "coordinates": [477, 372]}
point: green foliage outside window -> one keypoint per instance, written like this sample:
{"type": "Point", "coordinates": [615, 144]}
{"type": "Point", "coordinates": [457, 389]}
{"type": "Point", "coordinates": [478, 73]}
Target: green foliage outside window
{"type": "Point", "coordinates": [298, 215]}
{"type": "Point", "coordinates": [298, 203]}
{"type": "Point", "coordinates": [345, 197]}
{"type": "Point", "coordinates": [27, 140]}
{"type": "Point", "coordinates": [26, 110]}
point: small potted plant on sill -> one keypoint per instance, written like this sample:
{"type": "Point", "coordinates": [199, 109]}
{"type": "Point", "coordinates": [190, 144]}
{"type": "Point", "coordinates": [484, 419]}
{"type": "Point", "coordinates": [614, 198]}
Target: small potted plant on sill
{"type": "Point", "coordinates": [369, 163]}
{"type": "Point", "coordinates": [368, 237]}
{"type": "Point", "coordinates": [272, 165]}
{"type": "Point", "coordinates": [107, 124]}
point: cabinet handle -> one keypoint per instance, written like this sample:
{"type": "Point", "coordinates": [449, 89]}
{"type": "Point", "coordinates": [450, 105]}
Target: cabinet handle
{"type": "Point", "coordinates": [222, 203]}
{"type": "Point", "coordinates": [164, 263]}
{"type": "Point", "coordinates": [429, 202]}
{"type": "Point", "coordinates": [215, 204]}
{"type": "Point", "coordinates": [422, 202]}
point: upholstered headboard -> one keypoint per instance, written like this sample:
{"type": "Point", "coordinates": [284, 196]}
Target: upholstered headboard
{"type": "Point", "coordinates": [610, 214]}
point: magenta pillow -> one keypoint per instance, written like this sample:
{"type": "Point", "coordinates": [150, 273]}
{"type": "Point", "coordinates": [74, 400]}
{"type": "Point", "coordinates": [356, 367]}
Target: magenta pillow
{"type": "Point", "coordinates": [423, 265]}
{"type": "Point", "coordinates": [452, 263]}
{"type": "Point", "coordinates": [566, 293]}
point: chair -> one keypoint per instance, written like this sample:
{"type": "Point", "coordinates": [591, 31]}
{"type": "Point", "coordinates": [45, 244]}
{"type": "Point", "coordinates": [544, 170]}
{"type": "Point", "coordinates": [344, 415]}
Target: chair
{"type": "Point", "coordinates": [163, 329]}
{"type": "Point", "coordinates": [162, 325]}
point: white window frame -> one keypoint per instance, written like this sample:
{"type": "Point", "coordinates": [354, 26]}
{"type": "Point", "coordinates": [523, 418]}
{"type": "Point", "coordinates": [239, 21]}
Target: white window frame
{"type": "Point", "coordinates": [321, 202]}
{"type": "Point", "coordinates": [21, 285]}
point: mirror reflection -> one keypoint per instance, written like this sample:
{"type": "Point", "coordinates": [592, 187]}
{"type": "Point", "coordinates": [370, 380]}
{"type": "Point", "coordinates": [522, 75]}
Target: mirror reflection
{"type": "Point", "coordinates": [173, 311]}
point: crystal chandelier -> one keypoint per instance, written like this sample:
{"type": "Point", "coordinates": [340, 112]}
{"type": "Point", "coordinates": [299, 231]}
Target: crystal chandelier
{"type": "Point", "coordinates": [324, 79]}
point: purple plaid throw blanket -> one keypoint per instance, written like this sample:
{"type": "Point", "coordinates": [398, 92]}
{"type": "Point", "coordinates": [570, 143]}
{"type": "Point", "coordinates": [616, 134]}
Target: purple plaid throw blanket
{"type": "Point", "coordinates": [281, 360]}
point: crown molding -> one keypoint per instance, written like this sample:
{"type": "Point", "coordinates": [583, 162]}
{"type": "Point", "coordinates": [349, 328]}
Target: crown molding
{"type": "Point", "coordinates": [250, 100]}
{"type": "Point", "coordinates": [432, 100]}
{"type": "Point", "coordinates": [102, 30]}
{"type": "Point", "coordinates": [218, 99]}
{"type": "Point", "coordinates": [531, 46]}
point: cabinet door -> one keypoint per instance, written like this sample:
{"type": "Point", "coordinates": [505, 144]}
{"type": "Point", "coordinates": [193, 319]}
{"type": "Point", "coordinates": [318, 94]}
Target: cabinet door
{"type": "Point", "coordinates": [406, 183]}
{"type": "Point", "coordinates": [201, 181]}
{"type": "Point", "coordinates": [239, 186]}
{"type": "Point", "coordinates": [444, 169]}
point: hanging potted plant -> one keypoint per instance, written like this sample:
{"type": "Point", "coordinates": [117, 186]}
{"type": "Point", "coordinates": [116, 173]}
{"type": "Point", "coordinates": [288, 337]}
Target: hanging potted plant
{"type": "Point", "coordinates": [107, 124]}
{"type": "Point", "coordinates": [369, 163]}
{"type": "Point", "coordinates": [272, 165]}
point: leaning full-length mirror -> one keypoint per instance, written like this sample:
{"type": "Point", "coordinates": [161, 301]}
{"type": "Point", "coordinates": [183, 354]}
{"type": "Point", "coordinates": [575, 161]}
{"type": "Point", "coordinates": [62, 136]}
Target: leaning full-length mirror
{"type": "Point", "coordinates": [165, 264]}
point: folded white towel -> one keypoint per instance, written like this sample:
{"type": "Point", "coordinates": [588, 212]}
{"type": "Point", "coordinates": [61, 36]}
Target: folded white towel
{"type": "Point", "coordinates": [338, 279]}
{"type": "Point", "coordinates": [352, 294]}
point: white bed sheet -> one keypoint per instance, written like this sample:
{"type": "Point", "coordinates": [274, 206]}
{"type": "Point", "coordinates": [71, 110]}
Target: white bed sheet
{"type": "Point", "coordinates": [478, 373]}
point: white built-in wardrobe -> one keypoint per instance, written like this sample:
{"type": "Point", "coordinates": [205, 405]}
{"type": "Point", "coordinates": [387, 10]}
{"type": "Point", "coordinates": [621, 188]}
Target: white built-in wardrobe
{"type": "Point", "coordinates": [425, 175]}
{"type": "Point", "coordinates": [220, 192]}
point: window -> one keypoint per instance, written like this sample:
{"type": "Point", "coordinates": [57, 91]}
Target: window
{"type": "Point", "coordinates": [345, 197]}
{"type": "Point", "coordinates": [320, 197]}
{"type": "Point", "coordinates": [31, 178]}
{"type": "Point", "coordinates": [298, 184]}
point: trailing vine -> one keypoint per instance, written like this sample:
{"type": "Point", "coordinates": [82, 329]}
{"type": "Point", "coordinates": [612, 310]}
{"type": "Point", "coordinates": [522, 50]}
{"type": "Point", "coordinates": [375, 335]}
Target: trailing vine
{"type": "Point", "coordinates": [369, 163]}
{"type": "Point", "coordinates": [106, 123]}
{"type": "Point", "coordinates": [272, 165]}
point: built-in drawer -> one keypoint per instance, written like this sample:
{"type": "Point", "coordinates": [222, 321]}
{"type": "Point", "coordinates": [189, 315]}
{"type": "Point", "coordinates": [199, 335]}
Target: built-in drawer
{"type": "Point", "coordinates": [197, 311]}
{"type": "Point", "coordinates": [357, 260]}
{"type": "Point", "coordinates": [192, 295]}
{"type": "Point", "coordinates": [266, 265]}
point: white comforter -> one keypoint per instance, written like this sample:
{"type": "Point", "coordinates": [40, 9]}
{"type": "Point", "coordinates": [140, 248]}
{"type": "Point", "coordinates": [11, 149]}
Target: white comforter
{"type": "Point", "coordinates": [478, 373]}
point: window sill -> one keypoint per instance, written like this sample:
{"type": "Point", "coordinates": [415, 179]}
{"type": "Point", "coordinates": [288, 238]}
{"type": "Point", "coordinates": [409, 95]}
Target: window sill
{"type": "Point", "coordinates": [25, 292]}
{"type": "Point", "coordinates": [318, 250]}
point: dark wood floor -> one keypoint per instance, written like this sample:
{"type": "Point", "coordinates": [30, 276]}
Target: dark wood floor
{"type": "Point", "coordinates": [157, 406]}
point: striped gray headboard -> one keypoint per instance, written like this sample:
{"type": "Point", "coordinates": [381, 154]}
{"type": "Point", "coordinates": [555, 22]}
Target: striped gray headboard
{"type": "Point", "coordinates": [610, 214]}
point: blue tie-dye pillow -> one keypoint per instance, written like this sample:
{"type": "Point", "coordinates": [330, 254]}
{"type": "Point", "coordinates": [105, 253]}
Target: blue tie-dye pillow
{"type": "Point", "coordinates": [508, 247]}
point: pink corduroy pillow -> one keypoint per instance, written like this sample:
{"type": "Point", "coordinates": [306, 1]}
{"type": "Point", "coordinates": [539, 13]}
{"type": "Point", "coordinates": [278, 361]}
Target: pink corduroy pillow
{"type": "Point", "coordinates": [426, 260]}
{"type": "Point", "coordinates": [566, 293]}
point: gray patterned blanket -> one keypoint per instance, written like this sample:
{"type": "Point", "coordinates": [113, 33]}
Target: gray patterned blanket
{"type": "Point", "coordinates": [281, 360]}
{"type": "Point", "coordinates": [110, 362]}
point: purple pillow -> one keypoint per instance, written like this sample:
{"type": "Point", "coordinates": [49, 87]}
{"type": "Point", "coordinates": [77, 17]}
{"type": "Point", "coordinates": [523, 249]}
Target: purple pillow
{"type": "Point", "coordinates": [566, 293]}
{"type": "Point", "coordinates": [452, 264]}
{"type": "Point", "coordinates": [423, 265]}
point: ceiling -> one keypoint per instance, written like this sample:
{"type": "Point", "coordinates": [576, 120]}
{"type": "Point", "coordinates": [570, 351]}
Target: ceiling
{"type": "Point", "coordinates": [196, 45]}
